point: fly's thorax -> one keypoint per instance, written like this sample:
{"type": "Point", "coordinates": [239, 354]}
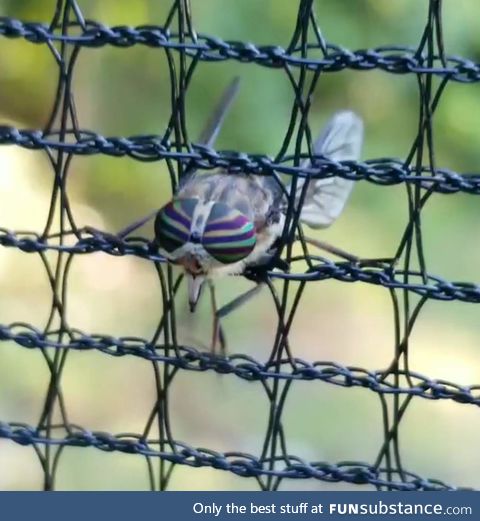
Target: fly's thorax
{"type": "Point", "coordinates": [210, 231]}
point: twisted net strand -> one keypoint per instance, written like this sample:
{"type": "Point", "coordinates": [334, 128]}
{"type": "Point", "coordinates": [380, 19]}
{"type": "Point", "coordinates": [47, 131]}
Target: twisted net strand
{"type": "Point", "coordinates": [67, 34]}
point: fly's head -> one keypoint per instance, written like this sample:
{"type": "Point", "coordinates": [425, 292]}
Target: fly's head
{"type": "Point", "coordinates": [203, 236]}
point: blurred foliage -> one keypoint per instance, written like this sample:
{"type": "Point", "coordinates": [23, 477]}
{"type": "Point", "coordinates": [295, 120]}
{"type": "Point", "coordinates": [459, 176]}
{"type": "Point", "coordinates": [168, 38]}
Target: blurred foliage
{"type": "Point", "coordinates": [126, 92]}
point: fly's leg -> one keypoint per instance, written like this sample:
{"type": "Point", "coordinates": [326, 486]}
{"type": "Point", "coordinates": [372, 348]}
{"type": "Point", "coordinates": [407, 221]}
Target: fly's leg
{"type": "Point", "coordinates": [329, 248]}
{"type": "Point", "coordinates": [325, 246]}
{"type": "Point", "coordinates": [218, 335]}
{"type": "Point", "coordinates": [122, 233]}
{"type": "Point", "coordinates": [137, 224]}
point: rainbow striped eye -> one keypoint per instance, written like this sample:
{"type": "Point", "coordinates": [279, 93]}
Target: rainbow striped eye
{"type": "Point", "coordinates": [228, 236]}
{"type": "Point", "coordinates": [172, 224]}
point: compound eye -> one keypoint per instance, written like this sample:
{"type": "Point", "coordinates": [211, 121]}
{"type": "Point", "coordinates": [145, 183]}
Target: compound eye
{"type": "Point", "coordinates": [173, 222]}
{"type": "Point", "coordinates": [229, 236]}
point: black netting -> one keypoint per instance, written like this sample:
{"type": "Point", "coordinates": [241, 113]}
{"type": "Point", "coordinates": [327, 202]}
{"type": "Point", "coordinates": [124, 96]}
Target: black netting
{"type": "Point", "coordinates": [405, 276]}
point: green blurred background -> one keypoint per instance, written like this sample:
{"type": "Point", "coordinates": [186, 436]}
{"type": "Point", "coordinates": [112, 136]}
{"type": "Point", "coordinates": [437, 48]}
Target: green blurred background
{"type": "Point", "coordinates": [126, 92]}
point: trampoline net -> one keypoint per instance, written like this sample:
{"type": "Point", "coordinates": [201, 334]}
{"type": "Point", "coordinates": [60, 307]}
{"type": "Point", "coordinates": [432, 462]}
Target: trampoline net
{"type": "Point", "coordinates": [270, 377]}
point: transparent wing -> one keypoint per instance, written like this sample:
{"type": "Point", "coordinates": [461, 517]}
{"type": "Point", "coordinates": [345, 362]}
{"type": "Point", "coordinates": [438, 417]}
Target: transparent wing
{"type": "Point", "coordinates": [207, 137]}
{"type": "Point", "coordinates": [214, 124]}
{"type": "Point", "coordinates": [325, 198]}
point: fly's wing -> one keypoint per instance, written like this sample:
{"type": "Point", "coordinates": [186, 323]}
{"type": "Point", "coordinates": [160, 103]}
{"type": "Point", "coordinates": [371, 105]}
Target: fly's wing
{"type": "Point", "coordinates": [256, 197]}
{"type": "Point", "coordinates": [325, 199]}
{"type": "Point", "coordinates": [189, 179]}
{"type": "Point", "coordinates": [214, 124]}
